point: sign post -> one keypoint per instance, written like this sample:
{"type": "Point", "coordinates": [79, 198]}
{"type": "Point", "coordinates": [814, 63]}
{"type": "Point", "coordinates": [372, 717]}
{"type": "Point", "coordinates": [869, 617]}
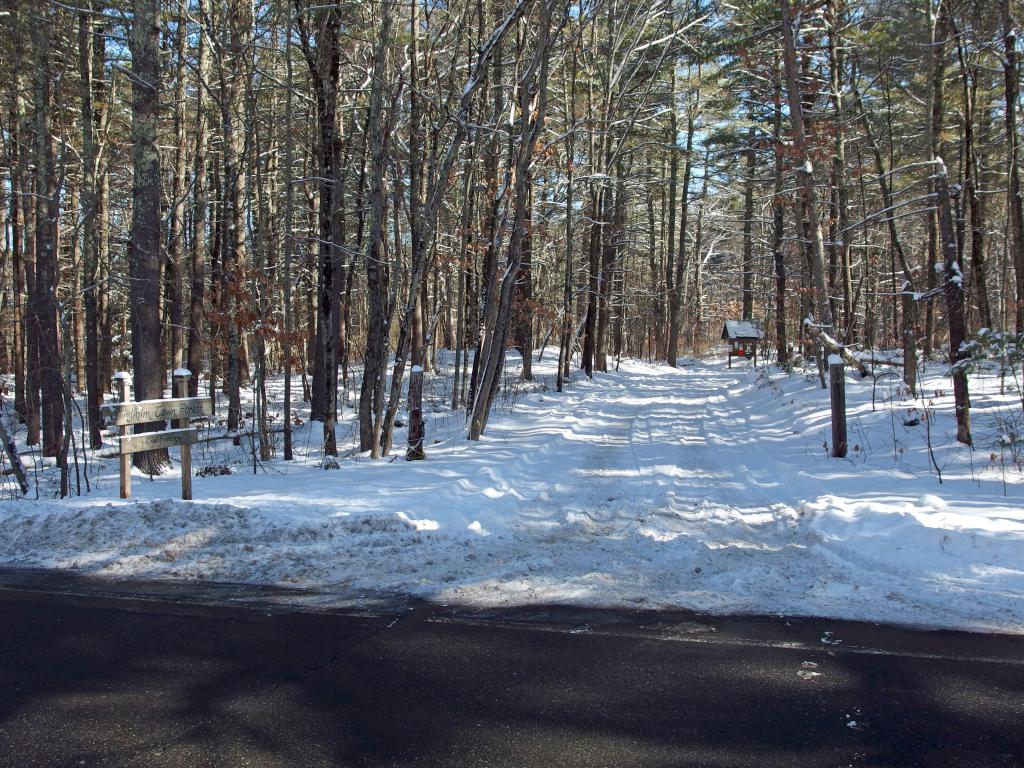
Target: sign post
{"type": "Point", "coordinates": [181, 378]}
{"type": "Point", "coordinates": [122, 383]}
{"type": "Point", "coordinates": [179, 410]}
{"type": "Point", "coordinates": [837, 391]}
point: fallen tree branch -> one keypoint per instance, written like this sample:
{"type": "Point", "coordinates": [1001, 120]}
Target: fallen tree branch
{"type": "Point", "coordinates": [823, 338]}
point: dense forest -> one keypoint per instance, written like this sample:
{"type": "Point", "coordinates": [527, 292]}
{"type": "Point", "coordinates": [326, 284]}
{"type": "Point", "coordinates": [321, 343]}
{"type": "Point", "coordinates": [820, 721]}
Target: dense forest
{"type": "Point", "coordinates": [306, 187]}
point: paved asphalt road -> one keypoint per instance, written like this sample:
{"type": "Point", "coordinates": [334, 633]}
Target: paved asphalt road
{"type": "Point", "coordinates": [214, 675]}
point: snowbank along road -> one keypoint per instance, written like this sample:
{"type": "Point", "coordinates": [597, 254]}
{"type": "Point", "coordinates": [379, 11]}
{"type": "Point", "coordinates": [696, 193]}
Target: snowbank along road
{"type": "Point", "coordinates": [699, 488]}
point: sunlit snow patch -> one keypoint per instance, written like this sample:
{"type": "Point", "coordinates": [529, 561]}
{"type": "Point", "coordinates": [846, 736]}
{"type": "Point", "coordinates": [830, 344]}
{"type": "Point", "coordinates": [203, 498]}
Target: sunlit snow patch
{"type": "Point", "coordinates": [418, 524]}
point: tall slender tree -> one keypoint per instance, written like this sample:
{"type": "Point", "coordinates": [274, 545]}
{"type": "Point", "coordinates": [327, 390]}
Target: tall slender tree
{"type": "Point", "coordinates": [144, 253]}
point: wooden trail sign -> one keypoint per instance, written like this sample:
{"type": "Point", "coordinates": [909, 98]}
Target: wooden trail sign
{"type": "Point", "coordinates": [177, 409]}
{"type": "Point", "coordinates": [143, 411]}
{"type": "Point", "coordinates": [148, 441]}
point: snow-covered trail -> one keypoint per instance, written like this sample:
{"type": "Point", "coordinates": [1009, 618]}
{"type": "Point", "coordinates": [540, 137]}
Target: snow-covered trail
{"type": "Point", "coordinates": [698, 487]}
{"type": "Point", "coordinates": [672, 498]}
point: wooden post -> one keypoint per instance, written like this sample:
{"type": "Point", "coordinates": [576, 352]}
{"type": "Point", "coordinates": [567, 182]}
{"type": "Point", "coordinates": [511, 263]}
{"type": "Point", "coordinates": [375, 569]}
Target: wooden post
{"type": "Point", "coordinates": [122, 383]}
{"type": "Point", "coordinates": [837, 389]}
{"type": "Point", "coordinates": [181, 378]}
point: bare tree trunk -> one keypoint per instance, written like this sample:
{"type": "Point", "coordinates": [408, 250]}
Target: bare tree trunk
{"type": "Point", "coordinates": [842, 195]}
{"type": "Point", "coordinates": [617, 289]}
{"type": "Point", "coordinates": [938, 22]}
{"type": "Point", "coordinates": [954, 291]}
{"type": "Point", "coordinates": [197, 346]}
{"type": "Point", "coordinates": [104, 318]}
{"type": "Point", "coordinates": [440, 182]}
{"type": "Point", "coordinates": [76, 344]}
{"type": "Point", "coordinates": [324, 64]}
{"type": "Point", "coordinates": [6, 276]}
{"type": "Point", "coordinates": [593, 279]}
{"type": "Point", "coordinates": [464, 271]}
{"type": "Point", "coordinates": [263, 162]}
{"type": "Point", "coordinates": [805, 171]}
{"type": "Point", "coordinates": [144, 239]}
{"type": "Point", "coordinates": [371, 396]}
{"type": "Point", "coordinates": [673, 180]}
{"type": "Point", "coordinates": [748, 226]}
{"type": "Point", "coordinates": [176, 253]}
{"type": "Point", "coordinates": [676, 281]}
{"type": "Point", "coordinates": [417, 165]}
{"type": "Point", "coordinates": [532, 95]}
{"type": "Point", "coordinates": [604, 293]}
{"type": "Point", "coordinates": [289, 211]}
{"type": "Point", "coordinates": [778, 231]}
{"type": "Point", "coordinates": [491, 227]}
{"type": "Point", "coordinates": [44, 301]}
{"type": "Point", "coordinates": [17, 250]}
{"type": "Point", "coordinates": [26, 396]}
{"type": "Point", "coordinates": [972, 180]}
{"type": "Point", "coordinates": [567, 336]}
{"type": "Point", "coordinates": [218, 228]}
{"type": "Point", "coordinates": [1011, 76]}
{"type": "Point", "coordinates": [239, 27]}
{"type": "Point", "coordinates": [908, 330]}
{"type": "Point", "coordinates": [524, 295]}
{"type": "Point", "coordinates": [697, 327]}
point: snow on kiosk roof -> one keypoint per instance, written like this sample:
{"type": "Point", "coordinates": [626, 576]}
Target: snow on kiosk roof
{"type": "Point", "coordinates": [741, 329]}
{"type": "Point", "coordinates": [742, 336]}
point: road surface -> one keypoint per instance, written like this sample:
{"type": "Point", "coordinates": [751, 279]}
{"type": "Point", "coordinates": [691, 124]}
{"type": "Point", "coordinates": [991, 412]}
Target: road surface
{"type": "Point", "coordinates": [98, 673]}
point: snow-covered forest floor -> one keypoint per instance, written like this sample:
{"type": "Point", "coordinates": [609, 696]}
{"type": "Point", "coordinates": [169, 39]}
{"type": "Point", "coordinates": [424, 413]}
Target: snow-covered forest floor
{"type": "Point", "coordinates": [698, 487]}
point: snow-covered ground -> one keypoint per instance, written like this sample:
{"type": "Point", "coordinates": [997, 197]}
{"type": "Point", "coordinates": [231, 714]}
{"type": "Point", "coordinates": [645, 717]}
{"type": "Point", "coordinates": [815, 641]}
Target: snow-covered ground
{"type": "Point", "coordinates": [698, 487]}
